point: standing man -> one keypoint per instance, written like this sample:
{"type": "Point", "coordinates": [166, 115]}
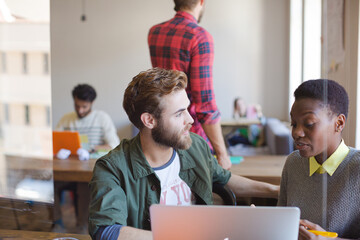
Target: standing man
{"type": "Point", "coordinates": [182, 44]}
{"type": "Point", "coordinates": [164, 163]}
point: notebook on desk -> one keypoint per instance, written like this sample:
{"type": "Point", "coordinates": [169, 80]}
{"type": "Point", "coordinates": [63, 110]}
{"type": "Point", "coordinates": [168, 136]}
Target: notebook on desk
{"type": "Point", "coordinates": [224, 222]}
{"type": "Point", "coordinates": [66, 139]}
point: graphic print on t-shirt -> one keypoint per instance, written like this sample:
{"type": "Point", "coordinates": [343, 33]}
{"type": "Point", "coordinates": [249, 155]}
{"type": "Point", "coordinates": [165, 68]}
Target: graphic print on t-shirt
{"type": "Point", "coordinates": [174, 191]}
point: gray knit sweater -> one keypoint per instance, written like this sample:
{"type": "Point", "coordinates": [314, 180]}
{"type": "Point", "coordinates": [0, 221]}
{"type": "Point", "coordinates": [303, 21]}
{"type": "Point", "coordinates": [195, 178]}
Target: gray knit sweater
{"type": "Point", "coordinates": [333, 202]}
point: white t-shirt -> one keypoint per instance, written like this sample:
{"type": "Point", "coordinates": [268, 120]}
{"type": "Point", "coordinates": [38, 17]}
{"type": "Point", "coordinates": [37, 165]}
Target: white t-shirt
{"type": "Point", "coordinates": [97, 125]}
{"type": "Point", "coordinates": [174, 191]}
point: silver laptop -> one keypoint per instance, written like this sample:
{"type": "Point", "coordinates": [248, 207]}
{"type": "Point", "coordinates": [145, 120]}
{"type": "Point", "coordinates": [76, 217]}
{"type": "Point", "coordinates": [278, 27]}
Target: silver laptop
{"type": "Point", "coordinates": [224, 222]}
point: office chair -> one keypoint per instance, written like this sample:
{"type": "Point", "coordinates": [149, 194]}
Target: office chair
{"type": "Point", "coordinates": [227, 196]}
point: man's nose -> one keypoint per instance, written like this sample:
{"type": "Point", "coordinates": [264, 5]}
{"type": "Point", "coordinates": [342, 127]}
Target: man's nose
{"type": "Point", "coordinates": [81, 110]}
{"type": "Point", "coordinates": [189, 119]}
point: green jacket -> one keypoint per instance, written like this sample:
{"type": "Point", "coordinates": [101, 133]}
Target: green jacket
{"type": "Point", "coordinates": [124, 185]}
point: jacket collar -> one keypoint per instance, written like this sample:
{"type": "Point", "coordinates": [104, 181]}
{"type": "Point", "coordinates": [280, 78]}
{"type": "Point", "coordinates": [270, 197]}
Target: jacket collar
{"type": "Point", "coordinates": [140, 166]}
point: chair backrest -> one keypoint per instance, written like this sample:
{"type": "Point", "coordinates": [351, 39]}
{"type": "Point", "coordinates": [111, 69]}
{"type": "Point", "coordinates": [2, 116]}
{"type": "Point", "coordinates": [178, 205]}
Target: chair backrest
{"type": "Point", "coordinates": [227, 196]}
{"type": "Point", "coordinates": [278, 137]}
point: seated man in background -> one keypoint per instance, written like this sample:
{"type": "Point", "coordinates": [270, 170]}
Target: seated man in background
{"type": "Point", "coordinates": [165, 163]}
{"type": "Point", "coordinates": [101, 134]}
{"type": "Point", "coordinates": [96, 125]}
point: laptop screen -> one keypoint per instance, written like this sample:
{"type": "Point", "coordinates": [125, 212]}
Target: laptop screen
{"type": "Point", "coordinates": [224, 222]}
{"type": "Point", "coordinates": [67, 140]}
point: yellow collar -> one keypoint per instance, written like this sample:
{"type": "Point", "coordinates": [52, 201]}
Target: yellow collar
{"type": "Point", "coordinates": [332, 163]}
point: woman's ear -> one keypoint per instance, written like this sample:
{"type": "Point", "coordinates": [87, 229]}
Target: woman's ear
{"type": "Point", "coordinates": [340, 123]}
{"type": "Point", "coordinates": [148, 120]}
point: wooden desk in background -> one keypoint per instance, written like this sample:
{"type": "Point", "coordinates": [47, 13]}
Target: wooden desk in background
{"type": "Point", "coordinates": [240, 122]}
{"type": "Point", "coordinates": [267, 168]}
{"type": "Point", "coordinates": [27, 235]}
{"type": "Point", "coordinates": [229, 126]}
{"type": "Point", "coordinates": [67, 170]}
{"type": "Point", "coordinates": [73, 170]}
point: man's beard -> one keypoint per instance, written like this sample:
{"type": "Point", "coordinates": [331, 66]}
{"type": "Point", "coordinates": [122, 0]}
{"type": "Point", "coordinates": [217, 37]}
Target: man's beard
{"type": "Point", "coordinates": [84, 114]}
{"type": "Point", "coordinates": [169, 138]}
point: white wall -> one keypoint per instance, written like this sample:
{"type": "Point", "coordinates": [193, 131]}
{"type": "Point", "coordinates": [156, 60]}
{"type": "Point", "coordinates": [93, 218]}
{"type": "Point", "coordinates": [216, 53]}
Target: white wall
{"type": "Point", "coordinates": [346, 71]}
{"type": "Point", "coordinates": [106, 51]}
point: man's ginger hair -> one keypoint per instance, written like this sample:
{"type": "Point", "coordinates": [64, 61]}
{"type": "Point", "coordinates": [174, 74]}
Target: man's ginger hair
{"type": "Point", "coordinates": [145, 91]}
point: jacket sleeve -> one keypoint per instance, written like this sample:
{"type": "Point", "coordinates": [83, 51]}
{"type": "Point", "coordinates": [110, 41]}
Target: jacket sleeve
{"type": "Point", "coordinates": [220, 175]}
{"type": "Point", "coordinates": [108, 199]}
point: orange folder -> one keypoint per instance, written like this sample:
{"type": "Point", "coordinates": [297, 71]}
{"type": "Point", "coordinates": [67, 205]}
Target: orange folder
{"type": "Point", "coordinates": [66, 139]}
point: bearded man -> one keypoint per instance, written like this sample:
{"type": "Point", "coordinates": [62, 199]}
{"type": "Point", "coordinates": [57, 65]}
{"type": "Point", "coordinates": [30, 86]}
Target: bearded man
{"type": "Point", "coordinates": [165, 163]}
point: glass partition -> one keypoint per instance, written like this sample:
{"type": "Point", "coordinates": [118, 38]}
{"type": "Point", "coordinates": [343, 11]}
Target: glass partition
{"type": "Point", "coordinates": [26, 176]}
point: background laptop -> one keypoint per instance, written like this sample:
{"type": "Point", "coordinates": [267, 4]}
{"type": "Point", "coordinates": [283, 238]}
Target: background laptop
{"type": "Point", "coordinates": [224, 222]}
{"type": "Point", "coordinates": [66, 139]}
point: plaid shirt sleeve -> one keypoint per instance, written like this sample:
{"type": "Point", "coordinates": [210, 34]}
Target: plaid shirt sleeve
{"type": "Point", "coordinates": [201, 83]}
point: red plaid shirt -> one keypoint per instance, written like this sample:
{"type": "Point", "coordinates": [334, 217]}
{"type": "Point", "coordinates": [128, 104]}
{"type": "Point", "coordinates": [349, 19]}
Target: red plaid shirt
{"type": "Point", "coordinates": [182, 44]}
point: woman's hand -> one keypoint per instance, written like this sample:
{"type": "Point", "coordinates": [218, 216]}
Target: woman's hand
{"type": "Point", "coordinates": [304, 234]}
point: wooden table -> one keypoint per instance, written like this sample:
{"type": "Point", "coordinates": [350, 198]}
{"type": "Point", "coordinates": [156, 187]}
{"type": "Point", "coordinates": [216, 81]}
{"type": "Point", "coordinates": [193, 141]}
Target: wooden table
{"type": "Point", "coordinates": [67, 170]}
{"type": "Point", "coordinates": [14, 162]}
{"type": "Point", "coordinates": [265, 168]}
{"type": "Point", "coordinates": [228, 126]}
{"type": "Point", "coordinates": [239, 122]}
{"type": "Point", "coordinates": [73, 170]}
{"type": "Point", "coordinates": [27, 235]}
